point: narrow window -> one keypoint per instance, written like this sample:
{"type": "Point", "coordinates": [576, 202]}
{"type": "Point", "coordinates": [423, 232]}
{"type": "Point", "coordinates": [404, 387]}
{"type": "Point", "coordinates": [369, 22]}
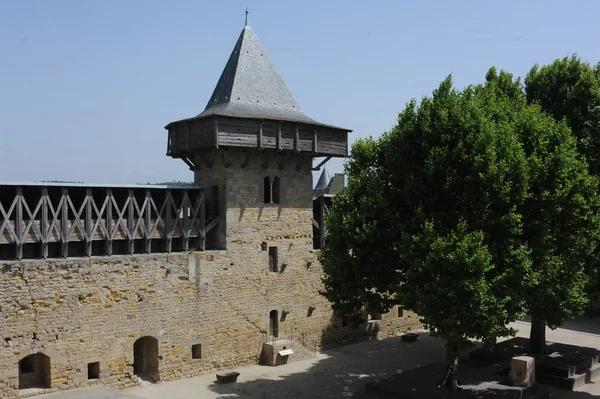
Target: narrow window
{"type": "Point", "coordinates": [267, 190]}
{"type": "Point", "coordinates": [273, 260]}
{"type": "Point", "coordinates": [400, 311]}
{"type": "Point", "coordinates": [276, 190]}
{"type": "Point", "coordinates": [93, 371]}
{"type": "Point", "coordinates": [197, 351]}
{"type": "Point", "coordinates": [273, 324]}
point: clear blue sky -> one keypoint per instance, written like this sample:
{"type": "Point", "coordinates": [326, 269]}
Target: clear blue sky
{"type": "Point", "coordinates": [86, 87]}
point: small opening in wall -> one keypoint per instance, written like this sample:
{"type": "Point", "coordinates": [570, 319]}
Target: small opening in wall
{"type": "Point", "coordinates": [273, 260]}
{"type": "Point", "coordinates": [267, 190]}
{"type": "Point", "coordinates": [374, 316]}
{"type": "Point", "coordinates": [276, 190]}
{"type": "Point", "coordinates": [93, 371]}
{"type": "Point", "coordinates": [400, 311]}
{"type": "Point", "coordinates": [197, 351]}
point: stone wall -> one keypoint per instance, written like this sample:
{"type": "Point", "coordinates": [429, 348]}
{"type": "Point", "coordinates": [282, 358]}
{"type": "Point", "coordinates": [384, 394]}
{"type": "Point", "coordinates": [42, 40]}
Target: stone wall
{"type": "Point", "coordinates": [85, 310]}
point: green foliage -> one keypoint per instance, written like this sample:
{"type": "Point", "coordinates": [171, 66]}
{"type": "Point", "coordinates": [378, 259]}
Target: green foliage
{"type": "Point", "coordinates": [569, 88]}
{"type": "Point", "coordinates": [474, 208]}
{"type": "Point", "coordinates": [455, 267]}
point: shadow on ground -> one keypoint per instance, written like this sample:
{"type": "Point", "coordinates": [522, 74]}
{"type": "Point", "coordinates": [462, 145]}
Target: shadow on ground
{"type": "Point", "coordinates": [584, 323]}
{"type": "Point", "coordinates": [340, 372]}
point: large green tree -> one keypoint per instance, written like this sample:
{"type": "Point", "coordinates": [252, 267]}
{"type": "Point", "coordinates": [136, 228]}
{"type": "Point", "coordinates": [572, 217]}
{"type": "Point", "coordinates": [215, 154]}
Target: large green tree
{"type": "Point", "coordinates": [569, 89]}
{"type": "Point", "coordinates": [429, 218]}
{"type": "Point", "coordinates": [470, 207]}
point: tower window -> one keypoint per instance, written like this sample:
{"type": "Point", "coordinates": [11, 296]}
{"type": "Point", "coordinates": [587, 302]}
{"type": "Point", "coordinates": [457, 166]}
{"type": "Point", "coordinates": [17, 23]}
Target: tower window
{"type": "Point", "coordinates": [276, 189]}
{"type": "Point", "coordinates": [267, 190]}
{"type": "Point", "coordinates": [273, 260]}
{"type": "Point", "coordinates": [272, 190]}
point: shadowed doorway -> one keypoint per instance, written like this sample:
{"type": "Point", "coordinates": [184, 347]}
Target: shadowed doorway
{"type": "Point", "coordinates": [145, 359]}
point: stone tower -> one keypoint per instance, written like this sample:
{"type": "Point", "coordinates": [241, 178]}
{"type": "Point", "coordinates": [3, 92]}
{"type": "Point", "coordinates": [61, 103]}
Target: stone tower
{"type": "Point", "coordinates": [253, 141]}
{"type": "Point", "coordinates": [255, 144]}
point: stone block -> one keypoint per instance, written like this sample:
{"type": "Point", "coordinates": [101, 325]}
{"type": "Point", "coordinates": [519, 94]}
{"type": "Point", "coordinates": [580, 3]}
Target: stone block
{"type": "Point", "coordinates": [522, 371]}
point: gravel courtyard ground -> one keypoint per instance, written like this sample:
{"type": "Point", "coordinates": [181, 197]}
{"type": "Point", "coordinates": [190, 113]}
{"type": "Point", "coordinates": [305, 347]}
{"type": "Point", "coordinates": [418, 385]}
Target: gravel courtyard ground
{"type": "Point", "coordinates": [337, 373]}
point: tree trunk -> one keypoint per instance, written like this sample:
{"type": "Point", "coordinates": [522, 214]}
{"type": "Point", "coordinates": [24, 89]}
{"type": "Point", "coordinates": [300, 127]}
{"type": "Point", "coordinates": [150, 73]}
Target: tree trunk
{"type": "Point", "coordinates": [537, 336]}
{"type": "Point", "coordinates": [450, 379]}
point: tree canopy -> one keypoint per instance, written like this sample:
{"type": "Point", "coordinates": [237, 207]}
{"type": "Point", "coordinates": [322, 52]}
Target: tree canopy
{"type": "Point", "coordinates": [459, 212]}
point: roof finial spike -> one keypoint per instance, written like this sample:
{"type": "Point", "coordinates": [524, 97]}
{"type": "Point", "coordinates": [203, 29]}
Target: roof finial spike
{"type": "Point", "coordinates": [246, 24]}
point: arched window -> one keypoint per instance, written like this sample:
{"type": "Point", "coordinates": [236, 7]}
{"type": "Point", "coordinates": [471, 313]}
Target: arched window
{"type": "Point", "coordinates": [276, 190]}
{"type": "Point", "coordinates": [267, 190]}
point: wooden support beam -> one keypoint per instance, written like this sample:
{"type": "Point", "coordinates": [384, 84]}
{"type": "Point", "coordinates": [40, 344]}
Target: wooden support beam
{"type": "Point", "coordinates": [109, 222]}
{"type": "Point", "coordinates": [314, 141]}
{"type": "Point", "coordinates": [64, 225]}
{"type": "Point", "coordinates": [82, 219]}
{"type": "Point", "coordinates": [260, 135]}
{"type": "Point", "coordinates": [130, 221]}
{"type": "Point", "coordinates": [169, 142]}
{"type": "Point", "coordinates": [89, 234]}
{"type": "Point", "coordinates": [203, 221]}
{"type": "Point", "coordinates": [148, 221]}
{"type": "Point", "coordinates": [19, 223]}
{"type": "Point", "coordinates": [44, 223]}
{"type": "Point", "coordinates": [279, 127]}
{"type": "Point", "coordinates": [297, 139]}
{"type": "Point", "coordinates": [189, 163]}
{"type": "Point", "coordinates": [185, 209]}
{"type": "Point", "coordinates": [323, 162]}
{"type": "Point", "coordinates": [168, 221]}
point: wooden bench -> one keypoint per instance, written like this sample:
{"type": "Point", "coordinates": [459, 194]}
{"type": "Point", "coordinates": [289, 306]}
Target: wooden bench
{"type": "Point", "coordinates": [224, 378]}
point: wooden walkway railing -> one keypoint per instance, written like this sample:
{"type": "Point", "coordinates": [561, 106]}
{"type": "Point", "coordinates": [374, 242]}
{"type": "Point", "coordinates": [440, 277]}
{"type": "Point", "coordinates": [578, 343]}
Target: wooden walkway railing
{"type": "Point", "coordinates": [41, 215]}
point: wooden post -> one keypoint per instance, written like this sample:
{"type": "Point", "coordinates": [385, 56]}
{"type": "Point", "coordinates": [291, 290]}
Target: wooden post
{"type": "Point", "coordinates": [64, 225]}
{"type": "Point", "coordinates": [148, 227]}
{"type": "Point", "coordinates": [168, 220]}
{"type": "Point", "coordinates": [89, 234]}
{"type": "Point", "coordinates": [19, 223]}
{"type": "Point", "coordinates": [44, 223]}
{"type": "Point", "coordinates": [279, 137]}
{"type": "Point", "coordinates": [314, 143]}
{"type": "Point", "coordinates": [297, 139]}
{"type": "Point", "coordinates": [130, 222]}
{"type": "Point", "coordinates": [109, 222]}
{"type": "Point", "coordinates": [260, 135]}
{"type": "Point", "coordinates": [185, 208]}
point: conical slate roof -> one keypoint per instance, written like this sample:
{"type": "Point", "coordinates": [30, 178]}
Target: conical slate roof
{"type": "Point", "coordinates": [251, 87]}
{"type": "Point", "coordinates": [323, 182]}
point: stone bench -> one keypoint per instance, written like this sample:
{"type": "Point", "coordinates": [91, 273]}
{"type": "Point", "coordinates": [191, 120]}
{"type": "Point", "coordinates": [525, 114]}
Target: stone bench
{"type": "Point", "coordinates": [224, 378]}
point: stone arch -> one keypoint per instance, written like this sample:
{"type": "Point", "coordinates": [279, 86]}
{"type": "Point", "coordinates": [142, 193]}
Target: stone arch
{"type": "Point", "coordinates": [145, 358]}
{"type": "Point", "coordinates": [34, 371]}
